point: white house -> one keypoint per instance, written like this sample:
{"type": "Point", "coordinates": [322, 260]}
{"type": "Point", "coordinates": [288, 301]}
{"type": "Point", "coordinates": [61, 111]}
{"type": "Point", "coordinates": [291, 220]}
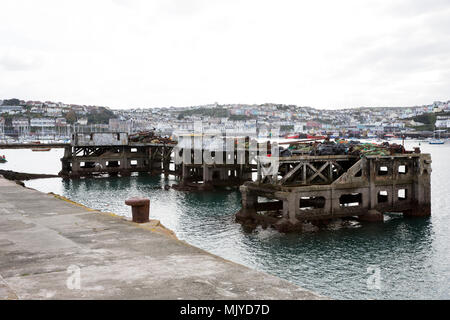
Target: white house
{"type": "Point", "coordinates": [42, 122]}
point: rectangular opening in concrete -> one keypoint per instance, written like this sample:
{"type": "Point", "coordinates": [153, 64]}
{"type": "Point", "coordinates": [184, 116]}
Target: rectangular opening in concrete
{"type": "Point", "coordinates": [382, 196]}
{"type": "Point", "coordinates": [133, 150]}
{"type": "Point", "coordinates": [272, 206]}
{"type": "Point", "coordinates": [402, 169]}
{"type": "Point", "coordinates": [383, 171]}
{"type": "Point", "coordinates": [350, 200]}
{"type": "Point", "coordinates": [402, 194]}
{"type": "Point", "coordinates": [309, 203]}
{"type": "Point", "coordinates": [133, 163]}
{"type": "Point", "coordinates": [112, 164]}
{"type": "Point", "coordinates": [87, 164]}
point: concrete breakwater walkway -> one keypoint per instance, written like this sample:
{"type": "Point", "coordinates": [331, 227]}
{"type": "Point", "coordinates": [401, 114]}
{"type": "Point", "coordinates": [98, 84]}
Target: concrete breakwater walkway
{"type": "Point", "coordinates": [56, 249]}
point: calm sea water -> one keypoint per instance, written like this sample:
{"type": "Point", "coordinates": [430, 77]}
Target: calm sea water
{"type": "Point", "coordinates": [412, 255]}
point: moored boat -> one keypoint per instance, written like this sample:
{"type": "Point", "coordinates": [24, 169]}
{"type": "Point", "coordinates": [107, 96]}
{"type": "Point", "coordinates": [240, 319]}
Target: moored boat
{"type": "Point", "coordinates": [437, 140]}
{"type": "Point", "coordinates": [41, 149]}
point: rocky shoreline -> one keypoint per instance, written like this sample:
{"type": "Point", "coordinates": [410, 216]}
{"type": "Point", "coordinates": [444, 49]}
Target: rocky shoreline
{"type": "Point", "coordinates": [21, 176]}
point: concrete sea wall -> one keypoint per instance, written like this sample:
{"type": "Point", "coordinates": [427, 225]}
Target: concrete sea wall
{"type": "Point", "coordinates": [53, 248]}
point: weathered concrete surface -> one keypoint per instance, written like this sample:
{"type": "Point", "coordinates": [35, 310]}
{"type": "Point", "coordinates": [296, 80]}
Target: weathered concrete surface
{"type": "Point", "coordinates": [41, 236]}
{"type": "Point", "coordinates": [363, 187]}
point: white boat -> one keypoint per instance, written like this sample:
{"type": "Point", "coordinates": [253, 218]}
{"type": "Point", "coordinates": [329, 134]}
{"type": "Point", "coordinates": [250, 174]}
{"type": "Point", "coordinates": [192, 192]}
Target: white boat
{"type": "Point", "coordinates": [437, 140]}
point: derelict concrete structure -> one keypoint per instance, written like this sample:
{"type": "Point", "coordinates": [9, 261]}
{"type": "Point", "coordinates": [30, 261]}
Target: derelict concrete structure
{"type": "Point", "coordinates": [205, 165]}
{"type": "Point", "coordinates": [319, 188]}
{"type": "Point", "coordinates": [112, 153]}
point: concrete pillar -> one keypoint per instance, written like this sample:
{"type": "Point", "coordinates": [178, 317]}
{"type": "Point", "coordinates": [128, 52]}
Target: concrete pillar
{"type": "Point", "coordinates": [293, 205]}
{"type": "Point", "coordinates": [67, 152]}
{"type": "Point", "coordinates": [184, 172]}
{"type": "Point", "coordinates": [372, 165]}
{"type": "Point", "coordinates": [421, 188]}
{"type": "Point", "coordinates": [223, 173]}
{"type": "Point", "coordinates": [207, 176]}
{"type": "Point", "coordinates": [76, 166]}
{"type": "Point", "coordinates": [166, 160]}
{"type": "Point", "coordinates": [329, 202]}
{"type": "Point", "coordinates": [285, 209]}
{"type": "Point", "coordinates": [249, 200]}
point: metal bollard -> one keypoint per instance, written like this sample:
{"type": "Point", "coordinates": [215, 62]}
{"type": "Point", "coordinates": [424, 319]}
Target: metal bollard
{"type": "Point", "coordinates": [140, 208]}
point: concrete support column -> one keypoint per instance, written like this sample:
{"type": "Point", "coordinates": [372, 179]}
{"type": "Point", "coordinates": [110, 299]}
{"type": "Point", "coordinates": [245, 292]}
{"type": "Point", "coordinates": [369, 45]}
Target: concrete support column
{"type": "Point", "coordinates": [184, 172]}
{"type": "Point", "coordinates": [249, 200]}
{"type": "Point", "coordinates": [76, 166]}
{"type": "Point", "coordinates": [166, 161]}
{"type": "Point", "coordinates": [124, 163]}
{"type": "Point", "coordinates": [372, 189]}
{"type": "Point", "coordinates": [223, 174]}
{"type": "Point", "coordinates": [259, 178]}
{"type": "Point", "coordinates": [285, 209]}
{"type": "Point", "coordinates": [421, 188]}
{"type": "Point", "coordinates": [329, 202]}
{"type": "Point", "coordinates": [206, 173]}
{"type": "Point", "coordinates": [67, 152]}
{"type": "Point", "coordinates": [292, 205]}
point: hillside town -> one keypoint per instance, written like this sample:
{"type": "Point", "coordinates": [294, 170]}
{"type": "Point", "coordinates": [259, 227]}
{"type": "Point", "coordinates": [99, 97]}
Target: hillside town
{"type": "Point", "coordinates": [21, 119]}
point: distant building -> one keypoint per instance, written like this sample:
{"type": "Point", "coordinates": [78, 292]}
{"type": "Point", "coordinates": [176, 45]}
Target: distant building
{"type": "Point", "coordinates": [82, 121]}
{"type": "Point", "coordinates": [54, 112]}
{"type": "Point", "coordinates": [313, 125]}
{"type": "Point", "coordinates": [20, 122]}
{"type": "Point", "coordinates": [21, 125]}
{"type": "Point", "coordinates": [442, 122]}
{"type": "Point", "coordinates": [61, 122]}
{"type": "Point", "coordinates": [11, 109]}
{"type": "Point", "coordinates": [37, 110]}
{"type": "Point", "coordinates": [2, 125]}
{"type": "Point", "coordinates": [42, 122]}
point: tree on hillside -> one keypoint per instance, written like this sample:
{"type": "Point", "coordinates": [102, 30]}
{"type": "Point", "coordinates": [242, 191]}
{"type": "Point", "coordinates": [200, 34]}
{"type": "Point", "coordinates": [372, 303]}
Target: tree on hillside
{"type": "Point", "coordinates": [71, 117]}
{"type": "Point", "coordinates": [11, 102]}
{"type": "Point", "coordinates": [100, 116]}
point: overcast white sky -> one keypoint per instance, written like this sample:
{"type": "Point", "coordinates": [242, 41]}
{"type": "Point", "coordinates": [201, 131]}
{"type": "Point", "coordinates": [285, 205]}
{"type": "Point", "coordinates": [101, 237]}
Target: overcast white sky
{"type": "Point", "coordinates": [133, 53]}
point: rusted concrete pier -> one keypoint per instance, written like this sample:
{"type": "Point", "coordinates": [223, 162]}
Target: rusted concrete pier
{"type": "Point", "coordinates": [113, 153]}
{"type": "Point", "coordinates": [319, 188]}
{"type": "Point", "coordinates": [208, 166]}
